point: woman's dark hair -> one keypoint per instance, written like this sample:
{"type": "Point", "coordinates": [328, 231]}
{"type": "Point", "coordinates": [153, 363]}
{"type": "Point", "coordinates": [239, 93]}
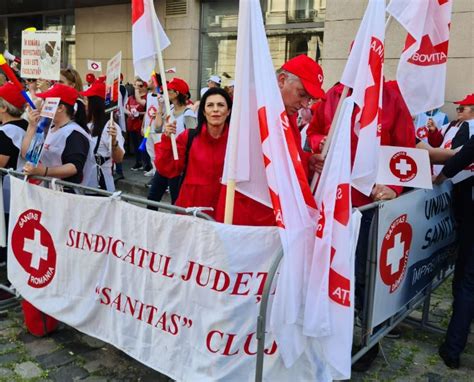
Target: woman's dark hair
{"type": "Point", "coordinates": [212, 91]}
{"type": "Point", "coordinates": [182, 98]}
{"type": "Point", "coordinates": [78, 116]}
{"type": "Point", "coordinates": [96, 114]}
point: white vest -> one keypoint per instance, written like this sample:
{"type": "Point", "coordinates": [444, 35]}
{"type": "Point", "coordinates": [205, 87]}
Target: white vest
{"type": "Point", "coordinates": [105, 151]}
{"type": "Point", "coordinates": [16, 135]}
{"type": "Point", "coordinates": [447, 141]}
{"type": "Point", "coordinates": [54, 146]}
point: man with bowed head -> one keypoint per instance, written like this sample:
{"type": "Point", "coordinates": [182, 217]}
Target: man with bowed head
{"type": "Point", "coordinates": [300, 80]}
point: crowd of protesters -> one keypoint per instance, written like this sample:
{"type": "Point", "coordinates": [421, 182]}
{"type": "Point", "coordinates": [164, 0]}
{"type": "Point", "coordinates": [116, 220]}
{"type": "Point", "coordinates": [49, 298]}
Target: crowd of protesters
{"type": "Point", "coordinates": [84, 145]}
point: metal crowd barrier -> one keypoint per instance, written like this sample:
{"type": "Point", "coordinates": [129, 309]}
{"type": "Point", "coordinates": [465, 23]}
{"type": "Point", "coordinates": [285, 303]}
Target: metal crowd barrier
{"type": "Point", "coordinates": [369, 338]}
{"type": "Point", "coordinates": [83, 190]}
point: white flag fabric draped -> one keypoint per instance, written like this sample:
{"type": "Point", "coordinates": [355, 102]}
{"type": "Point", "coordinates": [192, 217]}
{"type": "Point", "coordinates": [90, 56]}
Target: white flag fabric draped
{"type": "Point", "coordinates": [364, 74]}
{"type": "Point", "coordinates": [421, 72]}
{"type": "Point", "coordinates": [269, 170]}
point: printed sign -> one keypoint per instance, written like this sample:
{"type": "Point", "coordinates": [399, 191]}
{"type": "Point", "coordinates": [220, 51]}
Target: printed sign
{"type": "Point", "coordinates": [412, 233]}
{"type": "Point", "coordinates": [112, 82]}
{"type": "Point", "coordinates": [41, 54]}
{"type": "Point", "coordinates": [49, 107]}
{"type": "Point", "coordinates": [403, 166]}
{"type": "Point", "coordinates": [187, 288]}
{"type": "Point", "coordinates": [95, 66]}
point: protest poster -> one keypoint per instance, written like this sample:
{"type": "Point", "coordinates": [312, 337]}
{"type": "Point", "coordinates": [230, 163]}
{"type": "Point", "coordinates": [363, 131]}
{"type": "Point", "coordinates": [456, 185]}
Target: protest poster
{"type": "Point", "coordinates": [41, 54]}
{"type": "Point", "coordinates": [49, 107]}
{"type": "Point", "coordinates": [404, 166]}
{"type": "Point", "coordinates": [95, 66]}
{"type": "Point", "coordinates": [112, 82]}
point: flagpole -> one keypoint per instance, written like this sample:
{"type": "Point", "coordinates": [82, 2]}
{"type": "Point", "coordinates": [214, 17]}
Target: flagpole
{"type": "Point", "coordinates": [163, 78]}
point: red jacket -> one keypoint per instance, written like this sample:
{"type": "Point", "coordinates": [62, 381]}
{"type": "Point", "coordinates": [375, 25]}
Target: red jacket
{"type": "Point", "coordinates": [201, 185]}
{"type": "Point", "coordinates": [397, 126]}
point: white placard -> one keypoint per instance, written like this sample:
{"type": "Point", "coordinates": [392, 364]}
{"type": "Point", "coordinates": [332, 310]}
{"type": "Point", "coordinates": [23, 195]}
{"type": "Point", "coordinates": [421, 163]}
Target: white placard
{"type": "Point", "coordinates": [49, 107]}
{"type": "Point", "coordinates": [112, 82]}
{"type": "Point", "coordinates": [95, 66]}
{"type": "Point", "coordinates": [403, 166]}
{"type": "Point", "coordinates": [41, 54]}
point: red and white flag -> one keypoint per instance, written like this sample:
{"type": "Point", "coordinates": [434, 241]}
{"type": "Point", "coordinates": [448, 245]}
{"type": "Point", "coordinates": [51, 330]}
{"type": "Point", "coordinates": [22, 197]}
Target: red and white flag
{"type": "Point", "coordinates": [331, 282]}
{"type": "Point", "coordinates": [421, 72]}
{"type": "Point", "coordinates": [364, 74]}
{"type": "Point", "coordinates": [269, 170]}
{"type": "Point", "coordinates": [148, 37]}
{"type": "Point", "coordinates": [403, 166]}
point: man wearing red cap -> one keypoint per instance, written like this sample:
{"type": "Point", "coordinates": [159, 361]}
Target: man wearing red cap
{"type": "Point", "coordinates": [300, 80]}
{"type": "Point", "coordinates": [12, 131]}
{"type": "Point", "coordinates": [67, 152]}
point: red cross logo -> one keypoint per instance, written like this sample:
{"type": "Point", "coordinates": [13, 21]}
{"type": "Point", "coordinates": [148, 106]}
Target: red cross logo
{"type": "Point", "coordinates": [403, 166]}
{"type": "Point", "coordinates": [34, 249]}
{"type": "Point", "coordinates": [151, 111]}
{"type": "Point", "coordinates": [422, 132]}
{"type": "Point", "coordinates": [394, 252]}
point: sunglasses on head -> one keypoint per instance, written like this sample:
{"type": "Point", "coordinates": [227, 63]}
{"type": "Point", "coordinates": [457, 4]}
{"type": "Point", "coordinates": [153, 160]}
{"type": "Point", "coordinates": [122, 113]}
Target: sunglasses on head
{"type": "Point", "coordinates": [460, 109]}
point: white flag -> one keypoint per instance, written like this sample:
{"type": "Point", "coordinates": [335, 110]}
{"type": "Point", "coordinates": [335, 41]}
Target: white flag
{"type": "Point", "coordinates": [364, 74]}
{"type": "Point", "coordinates": [330, 293]}
{"type": "Point", "coordinates": [403, 166]}
{"type": "Point", "coordinates": [95, 66]}
{"type": "Point", "coordinates": [145, 27]}
{"type": "Point", "coordinates": [421, 72]}
{"type": "Point", "coordinates": [269, 170]}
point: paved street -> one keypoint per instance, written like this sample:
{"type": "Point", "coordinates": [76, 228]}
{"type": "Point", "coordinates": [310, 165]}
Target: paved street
{"type": "Point", "coordinates": [68, 355]}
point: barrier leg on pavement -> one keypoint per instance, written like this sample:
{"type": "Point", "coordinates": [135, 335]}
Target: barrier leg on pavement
{"type": "Point", "coordinates": [262, 318]}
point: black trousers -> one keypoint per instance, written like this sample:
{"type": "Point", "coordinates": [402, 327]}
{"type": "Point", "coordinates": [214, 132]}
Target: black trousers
{"type": "Point", "coordinates": [158, 188]}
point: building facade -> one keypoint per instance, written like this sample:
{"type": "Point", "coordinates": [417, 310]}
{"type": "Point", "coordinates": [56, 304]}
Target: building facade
{"type": "Point", "coordinates": [203, 35]}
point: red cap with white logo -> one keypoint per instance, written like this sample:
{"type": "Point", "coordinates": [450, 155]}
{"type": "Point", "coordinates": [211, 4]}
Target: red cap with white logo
{"type": "Point", "coordinates": [309, 72]}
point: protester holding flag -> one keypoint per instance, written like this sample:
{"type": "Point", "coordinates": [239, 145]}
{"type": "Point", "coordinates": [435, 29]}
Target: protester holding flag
{"type": "Point", "coordinates": [135, 110]}
{"type": "Point", "coordinates": [182, 118]}
{"type": "Point", "coordinates": [106, 137]}
{"type": "Point", "coordinates": [201, 152]}
{"type": "Point", "coordinates": [429, 123]}
{"type": "Point", "coordinates": [12, 131]}
{"type": "Point", "coordinates": [66, 152]}
{"type": "Point", "coordinates": [300, 80]}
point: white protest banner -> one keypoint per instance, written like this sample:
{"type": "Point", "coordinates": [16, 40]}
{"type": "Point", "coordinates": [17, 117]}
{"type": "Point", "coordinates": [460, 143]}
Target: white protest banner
{"type": "Point", "coordinates": [404, 166]}
{"type": "Point", "coordinates": [49, 107]}
{"type": "Point", "coordinates": [112, 82]}
{"type": "Point", "coordinates": [181, 294]}
{"type": "Point", "coordinates": [95, 66]}
{"type": "Point", "coordinates": [412, 232]}
{"type": "Point", "coordinates": [41, 54]}
{"type": "Point", "coordinates": [3, 242]}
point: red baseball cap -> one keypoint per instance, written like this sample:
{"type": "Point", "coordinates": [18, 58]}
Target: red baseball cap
{"type": "Point", "coordinates": [12, 95]}
{"type": "Point", "coordinates": [66, 93]}
{"type": "Point", "coordinates": [178, 85]}
{"type": "Point", "coordinates": [468, 100]}
{"type": "Point", "coordinates": [96, 89]}
{"type": "Point", "coordinates": [309, 72]}
{"type": "Point", "coordinates": [90, 78]}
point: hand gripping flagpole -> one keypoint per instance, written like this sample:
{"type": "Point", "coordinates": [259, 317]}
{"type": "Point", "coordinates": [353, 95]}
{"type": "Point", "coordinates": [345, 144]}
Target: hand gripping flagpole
{"type": "Point", "coordinates": [163, 79]}
{"type": "Point", "coordinates": [325, 148]}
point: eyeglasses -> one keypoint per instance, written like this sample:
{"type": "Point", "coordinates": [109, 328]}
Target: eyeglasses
{"type": "Point", "coordinates": [460, 109]}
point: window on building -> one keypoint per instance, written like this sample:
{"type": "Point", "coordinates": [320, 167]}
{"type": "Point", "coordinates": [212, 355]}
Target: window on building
{"type": "Point", "coordinates": [293, 27]}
